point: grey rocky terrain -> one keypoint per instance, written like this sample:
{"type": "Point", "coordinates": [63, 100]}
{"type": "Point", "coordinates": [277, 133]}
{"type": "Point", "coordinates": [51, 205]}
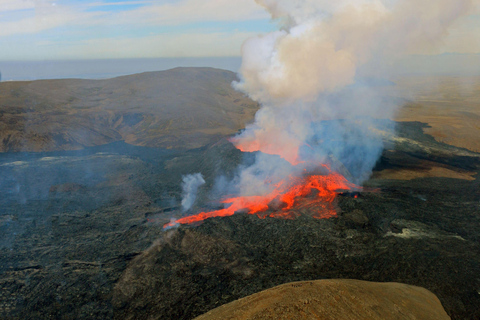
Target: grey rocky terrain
{"type": "Point", "coordinates": [81, 231]}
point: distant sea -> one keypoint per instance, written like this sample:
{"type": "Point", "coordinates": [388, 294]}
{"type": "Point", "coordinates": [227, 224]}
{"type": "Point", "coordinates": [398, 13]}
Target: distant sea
{"type": "Point", "coordinates": [102, 69]}
{"type": "Point", "coordinates": [442, 64]}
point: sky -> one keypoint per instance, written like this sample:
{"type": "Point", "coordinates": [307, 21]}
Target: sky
{"type": "Point", "coordinates": [113, 29]}
{"type": "Point", "coordinates": [74, 29]}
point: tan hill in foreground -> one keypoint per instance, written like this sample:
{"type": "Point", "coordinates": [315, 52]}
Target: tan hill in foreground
{"type": "Point", "coordinates": [178, 108]}
{"type": "Point", "coordinates": [333, 300]}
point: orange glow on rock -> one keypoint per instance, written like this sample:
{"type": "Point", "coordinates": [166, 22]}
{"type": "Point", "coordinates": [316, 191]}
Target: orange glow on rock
{"type": "Point", "coordinates": [314, 191]}
{"type": "Point", "coordinates": [288, 152]}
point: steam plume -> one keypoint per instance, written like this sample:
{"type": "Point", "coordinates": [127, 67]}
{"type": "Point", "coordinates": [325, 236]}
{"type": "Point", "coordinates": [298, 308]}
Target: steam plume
{"type": "Point", "coordinates": [306, 77]}
{"type": "Point", "coordinates": [321, 117]}
{"type": "Point", "coordinates": [190, 185]}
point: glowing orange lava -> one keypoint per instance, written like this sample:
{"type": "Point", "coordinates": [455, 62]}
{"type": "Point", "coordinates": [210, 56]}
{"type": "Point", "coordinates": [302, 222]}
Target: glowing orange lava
{"type": "Point", "coordinates": [283, 198]}
{"type": "Point", "coordinates": [287, 151]}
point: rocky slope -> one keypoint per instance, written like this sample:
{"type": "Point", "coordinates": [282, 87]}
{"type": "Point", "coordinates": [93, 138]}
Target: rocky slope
{"type": "Point", "coordinates": [178, 108]}
{"type": "Point", "coordinates": [81, 231]}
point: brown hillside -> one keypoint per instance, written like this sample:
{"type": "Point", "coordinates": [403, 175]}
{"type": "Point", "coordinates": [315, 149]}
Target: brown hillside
{"type": "Point", "coordinates": [333, 300]}
{"type": "Point", "coordinates": [450, 105]}
{"type": "Point", "coordinates": [178, 108]}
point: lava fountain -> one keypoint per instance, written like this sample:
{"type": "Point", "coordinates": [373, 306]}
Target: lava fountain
{"type": "Point", "coordinates": [323, 189]}
{"type": "Point", "coordinates": [319, 108]}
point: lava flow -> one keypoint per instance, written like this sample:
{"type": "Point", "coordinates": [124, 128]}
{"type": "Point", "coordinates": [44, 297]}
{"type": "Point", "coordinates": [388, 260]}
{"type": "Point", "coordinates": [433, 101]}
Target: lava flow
{"type": "Point", "coordinates": [283, 198]}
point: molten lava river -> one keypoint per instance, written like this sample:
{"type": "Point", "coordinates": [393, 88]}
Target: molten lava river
{"type": "Point", "coordinates": [317, 192]}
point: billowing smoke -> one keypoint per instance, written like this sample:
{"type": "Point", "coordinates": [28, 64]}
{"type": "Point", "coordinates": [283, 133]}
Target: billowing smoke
{"type": "Point", "coordinates": [321, 83]}
{"type": "Point", "coordinates": [325, 97]}
{"type": "Point", "coordinates": [190, 185]}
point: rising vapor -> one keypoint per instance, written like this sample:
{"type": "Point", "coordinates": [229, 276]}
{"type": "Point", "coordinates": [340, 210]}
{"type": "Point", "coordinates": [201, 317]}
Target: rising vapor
{"type": "Point", "coordinates": [308, 72]}
{"type": "Point", "coordinates": [190, 185]}
{"type": "Point", "coordinates": [320, 116]}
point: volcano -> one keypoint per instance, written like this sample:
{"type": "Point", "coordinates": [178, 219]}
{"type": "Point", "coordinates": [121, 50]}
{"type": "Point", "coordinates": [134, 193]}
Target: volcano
{"type": "Point", "coordinates": [286, 195]}
{"type": "Point", "coordinates": [82, 231]}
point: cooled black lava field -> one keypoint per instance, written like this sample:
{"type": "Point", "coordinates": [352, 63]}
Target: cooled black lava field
{"type": "Point", "coordinates": [81, 233]}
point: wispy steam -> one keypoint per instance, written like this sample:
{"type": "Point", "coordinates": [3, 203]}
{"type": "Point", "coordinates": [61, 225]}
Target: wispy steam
{"type": "Point", "coordinates": [307, 76]}
{"type": "Point", "coordinates": [320, 81]}
{"type": "Point", "coordinates": [190, 185]}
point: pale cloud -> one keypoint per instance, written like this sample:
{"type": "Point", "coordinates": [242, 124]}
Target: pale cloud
{"type": "Point", "coordinates": [49, 14]}
{"type": "Point", "coordinates": [123, 3]}
{"type": "Point", "coordinates": [45, 18]}
{"type": "Point", "coordinates": [200, 10]}
{"type": "Point", "coordinates": [33, 18]}
{"type": "Point", "coordinates": [76, 20]}
{"type": "Point", "coordinates": [42, 15]}
{"type": "Point", "coordinates": [12, 5]}
{"type": "Point", "coordinates": [464, 36]}
{"type": "Point", "coordinates": [165, 45]}
{"type": "Point", "coordinates": [15, 5]}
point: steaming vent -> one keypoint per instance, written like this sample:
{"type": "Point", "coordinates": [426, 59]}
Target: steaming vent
{"type": "Point", "coordinates": [190, 185]}
{"type": "Point", "coordinates": [319, 129]}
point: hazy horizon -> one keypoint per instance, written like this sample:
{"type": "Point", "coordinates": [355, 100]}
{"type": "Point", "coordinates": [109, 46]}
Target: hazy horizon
{"type": "Point", "coordinates": [443, 64]}
{"type": "Point", "coordinates": [105, 68]}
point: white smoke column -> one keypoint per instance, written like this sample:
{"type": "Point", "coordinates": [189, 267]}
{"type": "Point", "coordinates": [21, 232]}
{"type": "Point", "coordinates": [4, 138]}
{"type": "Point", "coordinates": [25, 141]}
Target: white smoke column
{"type": "Point", "coordinates": [190, 185]}
{"type": "Point", "coordinates": [306, 73]}
{"type": "Point", "coordinates": [323, 44]}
